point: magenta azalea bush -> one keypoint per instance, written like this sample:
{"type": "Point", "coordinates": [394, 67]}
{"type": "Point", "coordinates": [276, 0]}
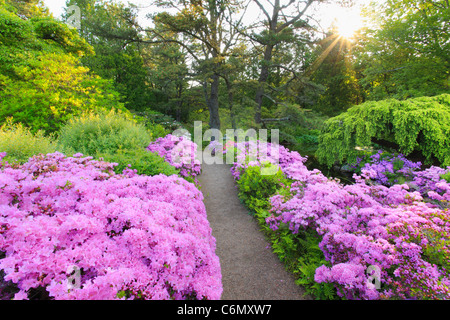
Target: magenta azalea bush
{"type": "Point", "coordinates": [380, 242]}
{"type": "Point", "coordinates": [180, 153]}
{"type": "Point", "coordinates": [130, 236]}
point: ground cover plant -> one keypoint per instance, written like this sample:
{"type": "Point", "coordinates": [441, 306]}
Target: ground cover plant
{"type": "Point", "coordinates": [130, 236]}
{"type": "Point", "coordinates": [367, 240]}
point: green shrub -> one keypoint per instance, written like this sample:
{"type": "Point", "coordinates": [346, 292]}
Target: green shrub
{"type": "Point", "coordinates": [12, 27]}
{"type": "Point", "coordinates": [309, 258]}
{"type": "Point", "coordinates": [145, 162]}
{"type": "Point", "coordinates": [256, 189]}
{"type": "Point", "coordinates": [20, 144]}
{"type": "Point", "coordinates": [416, 125]}
{"type": "Point", "coordinates": [103, 133]}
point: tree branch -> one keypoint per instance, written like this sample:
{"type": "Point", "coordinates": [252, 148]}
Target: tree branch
{"type": "Point", "coordinates": [263, 10]}
{"type": "Point", "coordinates": [296, 18]}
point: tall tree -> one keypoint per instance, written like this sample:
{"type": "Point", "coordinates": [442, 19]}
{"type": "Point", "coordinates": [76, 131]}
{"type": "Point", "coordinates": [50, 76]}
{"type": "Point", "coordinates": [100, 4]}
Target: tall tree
{"type": "Point", "coordinates": [208, 36]}
{"type": "Point", "coordinates": [279, 26]}
{"type": "Point", "coordinates": [168, 75]}
{"type": "Point", "coordinates": [285, 22]}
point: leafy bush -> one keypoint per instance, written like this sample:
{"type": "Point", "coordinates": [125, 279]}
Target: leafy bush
{"type": "Point", "coordinates": [20, 144]}
{"type": "Point", "coordinates": [102, 133]}
{"type": "Point", "coordinates": [152, 117]}
{"type": "Point", "coordinates": [446, 176]}
{"type": "Point", "coordinates": [53, 31]}
{"type": "Point", "coordinates": [255, 189]}
{"type": "Point", "coordinates": [420, 124]}
{"type": "Point", "coordinates": [144, 162]}
{"type": "Point", "coordinates": [12, 27]}
{"type": "Point", "coordinates": [129, 236]}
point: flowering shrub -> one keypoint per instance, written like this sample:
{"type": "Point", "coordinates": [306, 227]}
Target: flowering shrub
{"type": "Point", "coordinates": [180, 153]}
{"type": "Point", "coordinates": [433, 183]}
{"type": "Point", "coordinates": [256, 153]}
{"type": "Point", "coordinates": [368, 232]}
{"type": "Point", "coordinates": [386, 168]}
{"type": "Point", "coordinates": [130, 236]}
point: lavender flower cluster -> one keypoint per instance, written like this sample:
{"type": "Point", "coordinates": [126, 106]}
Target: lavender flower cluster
{"type": "Point", "coordinates": [389, 169]}
{"type": "Point", "coordinates": [366, 228]}
{"type": "Point", "coordinates": [180, 153]}
{"type": "Point", "coordinates": [386, 168]}
{"type": "Point", "coordinates": [130, 236]}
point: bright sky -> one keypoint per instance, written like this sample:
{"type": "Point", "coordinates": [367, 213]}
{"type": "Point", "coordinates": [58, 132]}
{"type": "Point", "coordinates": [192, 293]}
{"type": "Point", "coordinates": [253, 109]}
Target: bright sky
{"type": "Point", "coordinates": [348, 19]}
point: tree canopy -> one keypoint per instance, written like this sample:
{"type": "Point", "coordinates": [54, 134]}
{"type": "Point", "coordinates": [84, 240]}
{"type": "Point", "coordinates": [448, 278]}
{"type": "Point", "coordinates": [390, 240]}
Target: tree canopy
{"type": "Point", "coordinates": [42, 83]}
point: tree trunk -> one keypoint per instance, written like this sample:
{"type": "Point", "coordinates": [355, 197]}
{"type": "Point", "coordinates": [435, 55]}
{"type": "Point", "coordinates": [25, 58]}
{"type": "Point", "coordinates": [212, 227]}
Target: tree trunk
{"type": "Point", "coordinates": [264, 75]}
{"type": "Point", "coordinates": [230, 103]}
{"type": "Point", "coordinates": [179, 102]}
{"type": "Point", "coordinates": [213, 104]}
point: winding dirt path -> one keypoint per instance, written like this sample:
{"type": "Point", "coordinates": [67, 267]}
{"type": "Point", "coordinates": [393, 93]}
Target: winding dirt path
{"type": "Point", "coordinates": [250, 271]}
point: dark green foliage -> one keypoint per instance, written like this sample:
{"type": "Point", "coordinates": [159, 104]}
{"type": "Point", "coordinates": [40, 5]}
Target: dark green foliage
{"type": "Point", "coordinates": [310, 257]}
{"type": "Point", "coordinates": [407, 55]}
{"type": "Point", "coordinates": [415, 125]}
{"type": "Point", "coordinates": [110, 27]}
{"type": "Point", "coordinates": [334, 70]}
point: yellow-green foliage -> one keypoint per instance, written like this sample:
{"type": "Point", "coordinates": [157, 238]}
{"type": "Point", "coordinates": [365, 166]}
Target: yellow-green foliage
{"type": "Point", "coordinates": [42, 82]}
{"type": "Point", "coordinates": [20, 144]}
{"type": "Point", "coordinates": [419, 124]}
{"type": "Point", "coordinates": [97, 133]}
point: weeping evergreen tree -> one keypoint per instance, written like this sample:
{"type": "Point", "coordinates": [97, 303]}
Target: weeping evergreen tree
{"type": "Point", "coordinates": [420, 125]}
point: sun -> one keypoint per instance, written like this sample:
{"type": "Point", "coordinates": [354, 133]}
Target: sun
{"type": "Point", "coordinates": [347, 23]}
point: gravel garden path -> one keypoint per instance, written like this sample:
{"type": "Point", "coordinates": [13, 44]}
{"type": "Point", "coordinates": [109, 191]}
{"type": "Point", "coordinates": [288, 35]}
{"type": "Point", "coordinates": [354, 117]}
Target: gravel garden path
{"type": "Point", "coordinates": [250, 271]}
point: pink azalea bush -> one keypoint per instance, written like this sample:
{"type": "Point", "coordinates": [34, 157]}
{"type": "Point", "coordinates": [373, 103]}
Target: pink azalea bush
{"type": "Point", "coordinates": [130, 236]}
{"type": "Point", "coordinates": [256, 153]}
{"type": "Point", "coordinates": [180, 153]}
{"type": "Point", "coordinates": [394, 231]}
